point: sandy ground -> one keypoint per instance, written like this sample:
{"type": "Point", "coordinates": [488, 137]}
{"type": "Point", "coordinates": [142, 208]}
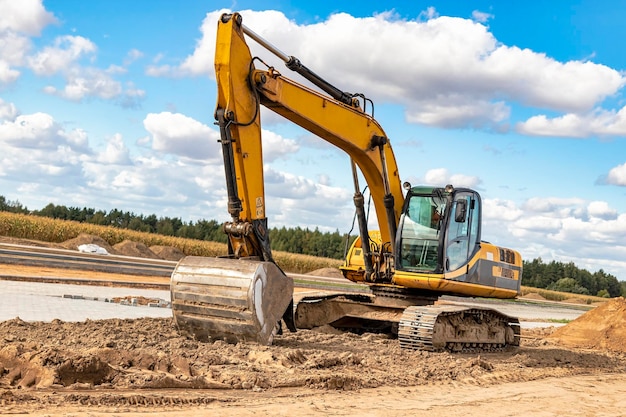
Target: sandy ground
{"type": "Point", "coordinates": [143, 366]}
{"type": "Point", "coordinates": [134, 367]}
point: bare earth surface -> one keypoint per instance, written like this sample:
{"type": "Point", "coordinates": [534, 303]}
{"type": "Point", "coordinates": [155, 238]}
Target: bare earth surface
{"type": "Point", "coordinates": [140, 367]}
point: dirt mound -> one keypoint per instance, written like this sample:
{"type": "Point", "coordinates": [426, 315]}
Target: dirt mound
{"type": "Point", "coordinates": [86, 239]}
{"type": "Point", "coordinates": [149, 353]}
{"type": "Point", "coordinates": [136, 249]}
{"type": "Point", "coordinates": [169, 253]}
{"type": "Point", "coordinates": [327, 272]}
{"type": "Point", "coordinates": [534, 296]}
{"type": "Point", "coordinates": [601, 328]}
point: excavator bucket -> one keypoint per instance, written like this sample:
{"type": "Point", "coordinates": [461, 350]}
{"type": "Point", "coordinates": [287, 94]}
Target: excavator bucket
{"type": "Point", "coordinates": [234, 300]}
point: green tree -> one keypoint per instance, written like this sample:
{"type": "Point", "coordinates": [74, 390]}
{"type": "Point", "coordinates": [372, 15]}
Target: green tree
{"type": "Point", "coordinates": [568, 285]}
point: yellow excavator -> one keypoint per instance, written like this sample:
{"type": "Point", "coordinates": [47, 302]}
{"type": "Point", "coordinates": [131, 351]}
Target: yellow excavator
{"type": "Point", "coordinates": [428, 243]}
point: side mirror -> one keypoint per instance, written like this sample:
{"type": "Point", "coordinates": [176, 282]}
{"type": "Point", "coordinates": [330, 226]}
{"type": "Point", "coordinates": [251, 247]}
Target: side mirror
{"type": "Point", "coordinates": [461, 211]}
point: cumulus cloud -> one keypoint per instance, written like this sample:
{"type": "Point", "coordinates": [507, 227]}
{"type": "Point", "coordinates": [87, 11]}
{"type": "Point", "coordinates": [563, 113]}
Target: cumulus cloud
{"type": "Point", "coordinates": [588, 233]}
{"type": "Point", "coordinates": [616, 176]}
{"type": "Point", "coordinates": [37, 149]}
{"type": "Point", "coordinates": [83, 81]}
{"type": "Point", "coordinates": [68, 55]}
{"type": "Point", "coordinates": [8, 111]}
{"type": "Point", "coordinates": [19, 21]}
{"type": "Point", "coordinates": [116, 152]}
{"type": "Point", "coordinates": [296, 201]}
{"type": "Point", "coordinates": [441, 177]}
{"type": "Point", "coordinates": [598, 122]}
{"type": "Point", "coordinates": [26, 16]}
{"type": "Point", "coordinates": [65, 51]}
{"type": "Point", "coordinates": [177, 134]}
{"type": "Point", "coordinates": [446, 71]}
{"type": "Point", "coordinates": [276, 146]}
{"type": "Point", "coordinates": [481, 17]}
{"type": "Point", "coordinates": [601, 210]}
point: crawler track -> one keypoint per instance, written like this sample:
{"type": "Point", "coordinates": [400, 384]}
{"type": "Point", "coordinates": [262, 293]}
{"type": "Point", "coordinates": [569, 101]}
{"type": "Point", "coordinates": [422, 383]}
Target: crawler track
{"type": "Point", "coordinates": [457, 328]}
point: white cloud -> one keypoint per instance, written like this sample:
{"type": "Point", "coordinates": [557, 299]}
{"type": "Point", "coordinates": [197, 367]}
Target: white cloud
{"type": "Point", "coordinates": [13, 48]}
{"type": "Point", "coordinates": [588, 233]}
{"type": "Point", "coordinates": [501, 210]}
{"type": "Point", "coordinates": [37, 130]}
{"type": "Point", "coordinates": [177, 134]}
{"type": "Point", "coordinates": [598, 122]}
{"type": "Point", "coordinates": [7, 74]}
{"type": "Point", "coordinates": [552, 204]}
{"type": "Point", "coordinates": [36, 149]}
{"type": "Point", "coordinates": [24, 16]}
{"type": "Point", "coordinates": [60, 57]}
{"type": "Point", "coordinates": [441, 177]}
{"type": "Point", "coordinates": [132, 56]}
{"type": "Point", "coordinates": [458, 112]}
{"type": "Point", "coordinates": [601, 210]}
{"type": "Point", "coordinates": [448, 72]}
{"type": "Point", "coordinates": [275, 146]}
{"type": "Point", "coordinates": [481, 17]}
{"type": "Point", "coordinates": [116, 152]}
{"type": "Point", "coordinates": [617, 175]}
{"type": "Point", "coordinates": [296, 201]}
{"type": "Point", "coordinates": [8, 111]}
{"type": "Point", "coordinates": [81, 82]}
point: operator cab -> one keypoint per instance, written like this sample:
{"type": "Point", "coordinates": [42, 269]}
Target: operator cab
{"type": "Point", "coordinates": [439, 229]}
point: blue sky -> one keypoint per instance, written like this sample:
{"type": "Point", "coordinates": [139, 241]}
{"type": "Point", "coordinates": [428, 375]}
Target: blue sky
{"type": "Point", "coordinates": [110, 105]}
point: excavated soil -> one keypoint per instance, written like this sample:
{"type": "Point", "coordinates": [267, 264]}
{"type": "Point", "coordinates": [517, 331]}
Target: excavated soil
{"type": "Point", "coordinates": [603, 328]}
{"type": "Point", "coordinates": [100, 363]}
{"type": "Point", "coordinates": [136, 249]}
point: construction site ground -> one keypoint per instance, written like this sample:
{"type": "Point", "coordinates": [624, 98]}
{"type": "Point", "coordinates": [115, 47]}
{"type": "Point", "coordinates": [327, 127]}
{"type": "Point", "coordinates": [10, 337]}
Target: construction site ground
{"type": "Point", "coordinates": [135, 367]}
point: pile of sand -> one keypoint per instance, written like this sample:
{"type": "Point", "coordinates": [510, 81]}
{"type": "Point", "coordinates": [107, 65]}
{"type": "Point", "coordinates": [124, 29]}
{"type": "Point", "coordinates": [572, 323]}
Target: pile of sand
{"type": "Point", "coordinates": [86, 239]}
{"type": "Point", "coordinates": [136, 249]}
{"type": "Point", "coordinates": [601, 328]}
{"type": "Point", "coordinates": [125, 248]}
{"type": "Point", "coordinates": [534, 296]}
{"type": "Point", "coordinates": [327, 272]}
{"type": "Point", "coordinates": [169, 253]}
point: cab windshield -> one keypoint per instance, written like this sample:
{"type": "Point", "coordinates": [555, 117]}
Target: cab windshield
{"type": "Point", "coordinates": [420, 231]}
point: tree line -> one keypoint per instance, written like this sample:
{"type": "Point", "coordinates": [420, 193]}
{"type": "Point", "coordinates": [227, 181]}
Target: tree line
{"type": "Point", "coordinates": [554, 275]}
{"type": "Point", "coordinates": [567, 277]}
{"type": "Point", "coordinates": [293, 240]}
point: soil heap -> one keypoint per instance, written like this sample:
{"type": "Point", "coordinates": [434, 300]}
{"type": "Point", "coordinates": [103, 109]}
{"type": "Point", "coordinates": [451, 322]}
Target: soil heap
{"type": "Point", "coordinates": [602, 328]}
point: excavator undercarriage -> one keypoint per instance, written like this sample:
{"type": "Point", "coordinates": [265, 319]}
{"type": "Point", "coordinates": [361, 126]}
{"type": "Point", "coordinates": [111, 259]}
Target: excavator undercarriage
{"type": "Point", "coordinates": [420, 322]}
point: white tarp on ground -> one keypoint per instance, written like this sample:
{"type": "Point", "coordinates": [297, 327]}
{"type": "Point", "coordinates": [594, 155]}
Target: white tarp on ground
{"type": "Point", "coordinates": [92, 248]}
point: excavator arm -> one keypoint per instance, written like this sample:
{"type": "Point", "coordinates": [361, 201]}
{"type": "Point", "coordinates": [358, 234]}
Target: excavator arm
{"type": "Point", "coordinates": [335, 117]}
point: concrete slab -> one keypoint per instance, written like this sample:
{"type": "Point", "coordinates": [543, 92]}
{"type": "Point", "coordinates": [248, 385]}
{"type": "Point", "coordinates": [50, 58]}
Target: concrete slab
{"type": "Point", "coordinates": [45, 302]}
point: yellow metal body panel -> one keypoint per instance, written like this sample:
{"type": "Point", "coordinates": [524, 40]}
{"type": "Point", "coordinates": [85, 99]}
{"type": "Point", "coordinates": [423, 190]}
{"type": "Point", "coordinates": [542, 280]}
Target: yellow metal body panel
{"type": "Point", "coordinates": [232, 68]}
{"type": "Point", "coordinates": [485, 275]}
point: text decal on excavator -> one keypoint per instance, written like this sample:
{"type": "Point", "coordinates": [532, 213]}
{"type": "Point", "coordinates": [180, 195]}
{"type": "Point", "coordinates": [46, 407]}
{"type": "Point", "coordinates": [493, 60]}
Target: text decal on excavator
{"type": "Point", "coordinates": [503, 272]}
{"type": "Point", "coordinates": [259, 207]}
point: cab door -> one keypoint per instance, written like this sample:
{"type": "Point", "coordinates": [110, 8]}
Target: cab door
{"type": "Point", "coordinates": [463, 231]}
